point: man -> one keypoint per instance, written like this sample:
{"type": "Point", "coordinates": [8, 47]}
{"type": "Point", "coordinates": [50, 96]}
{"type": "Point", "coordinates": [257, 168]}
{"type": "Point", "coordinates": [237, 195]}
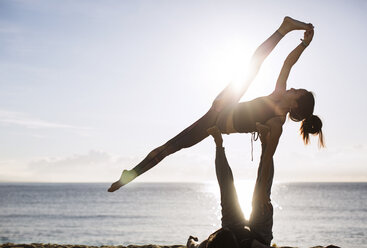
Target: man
{"type": "Point", "coordinates": [236, 232]}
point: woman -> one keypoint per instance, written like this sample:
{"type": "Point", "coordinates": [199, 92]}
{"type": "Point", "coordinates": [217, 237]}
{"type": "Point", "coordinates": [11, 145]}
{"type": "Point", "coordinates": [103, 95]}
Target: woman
{"type": "Point", "coordinates": [233, 117]}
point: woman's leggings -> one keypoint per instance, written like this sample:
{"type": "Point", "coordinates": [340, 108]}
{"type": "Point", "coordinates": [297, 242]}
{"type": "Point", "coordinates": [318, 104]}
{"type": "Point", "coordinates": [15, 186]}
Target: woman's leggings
{"type": "Point", "coordinates": [187, 138]}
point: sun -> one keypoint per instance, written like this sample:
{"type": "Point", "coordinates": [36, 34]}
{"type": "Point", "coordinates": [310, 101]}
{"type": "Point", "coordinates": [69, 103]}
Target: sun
{"type": "Point", "coordinates": [231, 65]}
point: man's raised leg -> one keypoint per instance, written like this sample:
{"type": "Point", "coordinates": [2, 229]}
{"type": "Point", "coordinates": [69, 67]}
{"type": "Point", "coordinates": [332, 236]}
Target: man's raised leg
{"type": "Point", "coordinates": [231, 211]}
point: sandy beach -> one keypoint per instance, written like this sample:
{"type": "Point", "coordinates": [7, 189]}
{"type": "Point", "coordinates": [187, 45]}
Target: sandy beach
{"type": "Point", "coordinates": [40, 245]}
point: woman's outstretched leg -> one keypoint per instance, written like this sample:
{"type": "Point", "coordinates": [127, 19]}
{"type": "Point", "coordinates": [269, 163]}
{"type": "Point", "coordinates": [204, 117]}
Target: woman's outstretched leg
{"type": "Point", "coordinates": [187, 138]}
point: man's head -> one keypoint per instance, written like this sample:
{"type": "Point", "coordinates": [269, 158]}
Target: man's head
{"type": "Point", "coordinates": [223, 238]}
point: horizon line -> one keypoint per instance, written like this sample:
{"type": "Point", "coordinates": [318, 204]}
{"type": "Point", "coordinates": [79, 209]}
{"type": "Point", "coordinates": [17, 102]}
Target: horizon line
{"type": "Point", "coordinates": [168, 182]}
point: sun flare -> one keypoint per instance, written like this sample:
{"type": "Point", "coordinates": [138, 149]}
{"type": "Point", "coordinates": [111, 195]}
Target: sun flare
{"type": "Point", "coordinates": [244, 192]}
{"type": "Point", "coordinates": [230, 65]}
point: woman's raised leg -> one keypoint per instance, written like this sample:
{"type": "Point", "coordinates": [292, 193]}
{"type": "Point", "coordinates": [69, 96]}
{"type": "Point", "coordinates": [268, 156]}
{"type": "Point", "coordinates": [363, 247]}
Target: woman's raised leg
{"type": "Point", "coordinates": [289, 24]}
{"type": "Point", "coordinates": [232, 94]}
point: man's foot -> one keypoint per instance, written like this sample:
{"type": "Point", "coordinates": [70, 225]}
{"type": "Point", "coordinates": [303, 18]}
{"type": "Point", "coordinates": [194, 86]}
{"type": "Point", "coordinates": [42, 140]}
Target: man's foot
{"type": "Point", "coordinates": [126, 177]}
{"type": "Point", "coordinates": [217, 135]}
{"type": "Point", "coordinates": [290, 24]}
{"type": "Point", "coordinates": [192, 242]}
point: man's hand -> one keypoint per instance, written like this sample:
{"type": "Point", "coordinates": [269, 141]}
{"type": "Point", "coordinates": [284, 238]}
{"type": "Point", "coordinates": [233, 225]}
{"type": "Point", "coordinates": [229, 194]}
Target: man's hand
{"type": "Point", "coordinates": [264, 132]}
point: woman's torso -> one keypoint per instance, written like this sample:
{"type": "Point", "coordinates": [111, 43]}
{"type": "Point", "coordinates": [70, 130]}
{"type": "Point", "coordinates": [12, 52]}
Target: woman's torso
{"type": "Point", "coordinates": [242, 117]}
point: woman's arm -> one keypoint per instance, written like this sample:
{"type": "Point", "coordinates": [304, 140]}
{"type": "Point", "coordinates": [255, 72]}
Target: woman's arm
{"type": "Point", "coordinates": [292, 58]}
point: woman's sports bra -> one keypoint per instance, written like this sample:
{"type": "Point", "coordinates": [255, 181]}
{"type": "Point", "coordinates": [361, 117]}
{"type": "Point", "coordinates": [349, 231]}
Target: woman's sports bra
{"type": "Point", "coordinates": [246, 114]}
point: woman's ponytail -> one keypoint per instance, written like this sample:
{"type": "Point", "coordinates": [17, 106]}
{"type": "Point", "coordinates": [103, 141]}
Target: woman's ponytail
{"type": "Point", "coordinates": [312, 125]}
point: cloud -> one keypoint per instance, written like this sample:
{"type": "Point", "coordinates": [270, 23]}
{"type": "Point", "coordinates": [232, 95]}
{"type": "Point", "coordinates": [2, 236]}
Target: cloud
{"type": "Point", "coordinates": [186, 165]}
{"type": "Point", "coordinates": [24, 120]}
{"type": "Point", "coordinates": [95, 166]}
{"type": "Point", "coordinates": [14, 170]}
{"type": "Point", "coordinates": [100, 166]}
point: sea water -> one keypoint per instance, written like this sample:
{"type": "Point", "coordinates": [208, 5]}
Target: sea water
{"type": "Point", "coordinates": [305, 214]}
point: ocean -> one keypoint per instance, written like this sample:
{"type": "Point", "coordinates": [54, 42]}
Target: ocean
{"type": "Point", "coordinates": [305, 214]}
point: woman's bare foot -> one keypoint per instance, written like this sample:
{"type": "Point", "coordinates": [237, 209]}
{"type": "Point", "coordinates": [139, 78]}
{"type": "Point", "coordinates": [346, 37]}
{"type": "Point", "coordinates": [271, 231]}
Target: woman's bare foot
{"type": "Point", "coordinates": [126, 177]}
{"type": "Point", "coordinates": [290, 24]}
{"type": "Point", "coordinates": [217, 135]}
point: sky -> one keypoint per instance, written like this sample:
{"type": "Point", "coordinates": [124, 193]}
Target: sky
{"type": "Point", "coordinates": [88, 88]}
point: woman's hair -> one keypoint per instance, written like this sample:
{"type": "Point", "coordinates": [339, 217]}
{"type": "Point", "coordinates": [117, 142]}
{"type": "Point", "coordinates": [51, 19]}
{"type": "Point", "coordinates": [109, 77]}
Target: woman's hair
{"type": "Point", "coordinates": [311, 124]}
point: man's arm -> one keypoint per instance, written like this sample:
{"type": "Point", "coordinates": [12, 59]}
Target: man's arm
{"type": "Point", "coordinates": [276, 128]}
{"type": "Point", "coordinates": [271, 141]}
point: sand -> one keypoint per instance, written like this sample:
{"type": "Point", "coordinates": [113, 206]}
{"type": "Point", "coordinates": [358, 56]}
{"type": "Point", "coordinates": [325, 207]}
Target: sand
{"type": "Point", "coordinates": [40, 245]}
